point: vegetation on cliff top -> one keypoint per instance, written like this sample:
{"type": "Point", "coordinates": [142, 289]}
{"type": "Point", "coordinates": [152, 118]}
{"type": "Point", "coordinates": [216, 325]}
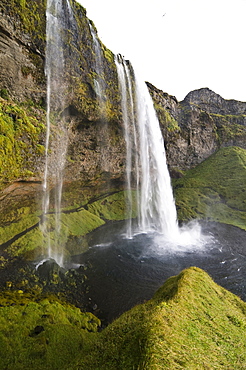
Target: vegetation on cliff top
{"type": "Point", "coordinates": [215, 189]}
{"type": "Point", "coordinates": [190, 323]}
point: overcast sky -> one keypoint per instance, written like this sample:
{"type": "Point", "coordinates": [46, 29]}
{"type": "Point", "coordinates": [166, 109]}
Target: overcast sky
{"type": "Point", "coordinates": [178, 45]}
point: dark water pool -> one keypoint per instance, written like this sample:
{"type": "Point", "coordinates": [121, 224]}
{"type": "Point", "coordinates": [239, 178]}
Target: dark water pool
{"type": "Point", "coordinates": [124, 272]}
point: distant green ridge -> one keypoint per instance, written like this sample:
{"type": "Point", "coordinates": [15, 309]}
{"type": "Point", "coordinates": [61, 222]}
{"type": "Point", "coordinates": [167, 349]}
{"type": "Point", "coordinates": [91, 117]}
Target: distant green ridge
{"type": "Point", "coordinates": [215, 189]}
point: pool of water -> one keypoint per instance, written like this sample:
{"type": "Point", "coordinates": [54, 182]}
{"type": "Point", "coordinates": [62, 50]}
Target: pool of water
{"type": "Point", "coordinates": [123, 272]}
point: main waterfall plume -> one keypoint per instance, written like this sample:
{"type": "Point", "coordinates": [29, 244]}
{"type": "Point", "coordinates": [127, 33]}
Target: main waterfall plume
{"type": "Point", "coordinates": [146, 156]}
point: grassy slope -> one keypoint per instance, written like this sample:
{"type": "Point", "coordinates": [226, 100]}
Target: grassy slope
{"type": "Point", "coordinates": [191, 323]}
{"type": "Point", "coordinates": [215, 189]}
{"type": "Point", "coordinates": [42, 334]}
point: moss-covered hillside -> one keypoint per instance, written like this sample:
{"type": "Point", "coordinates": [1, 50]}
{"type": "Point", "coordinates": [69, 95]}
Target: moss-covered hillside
{"type": "Point", "coordinates": [215, 189]}
{"type": "Point", "coordinates": [42, 334]}
{"type": "Point", "coordinates": [191, 323]}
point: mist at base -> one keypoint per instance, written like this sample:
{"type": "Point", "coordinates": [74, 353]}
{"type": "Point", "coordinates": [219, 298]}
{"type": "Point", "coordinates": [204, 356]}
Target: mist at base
{"type": "Point", "coordinates": [122, 272]}
{"type": "Point", "coordinates": [189, 237]}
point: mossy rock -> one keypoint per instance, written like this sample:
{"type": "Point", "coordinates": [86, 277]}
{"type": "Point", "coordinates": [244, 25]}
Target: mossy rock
{"type": "Point", "coordinates": [215, 189]}
{"type": "Point", "coordinates": [113, 207]}
{"type": "Point", "coordinates": [20, 140]}
{"type": "Point", "coordinates": [43, 334]}
{"type": "Point", "coordinates": [25, 238]}
{"type": "Point", "coordinates": [191, 323]}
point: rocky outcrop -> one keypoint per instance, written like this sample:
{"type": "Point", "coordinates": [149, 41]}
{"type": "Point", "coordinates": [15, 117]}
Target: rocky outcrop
{"type": "Point", "coordinates": [214, 103]}
{"type": "Point", "coordinates": [204, 123]}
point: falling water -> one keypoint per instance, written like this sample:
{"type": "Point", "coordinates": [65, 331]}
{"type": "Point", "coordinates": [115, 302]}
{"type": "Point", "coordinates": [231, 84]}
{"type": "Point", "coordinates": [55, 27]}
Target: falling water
{"type": "Point", "coordinates": [55, 150]}
{"type": "Point", "coordinates": [98, 70]}
{"type": "Point", "coordinates": [157, 209]}
{"type": "Point", "coordinates": [127, 106]}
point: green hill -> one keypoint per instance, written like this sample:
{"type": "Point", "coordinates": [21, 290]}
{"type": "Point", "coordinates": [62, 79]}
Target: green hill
{"type": "Point", "coordinates": [191, 323]}
{"type": "Point", "coordinates": [215, 189]}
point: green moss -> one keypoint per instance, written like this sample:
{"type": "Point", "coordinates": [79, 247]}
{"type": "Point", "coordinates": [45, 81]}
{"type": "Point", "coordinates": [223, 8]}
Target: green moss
{"type": "Point", "coordinates": [72, 224]}
{"type": "Point", "coordinates": [19, 139]}
{"type": "Point", "coordinates": [81, 222]}
{"type": "Point", "coordinates": [24, 222]}
{"type": "Point", "coordinates": [29, 241]}
{"type": "Point", "coordinates": [191, 323]}
{"type": "Point", "coordinates": [85, 103]}
{"type": "Point", "coordinates": [23, 236]}
{"type": "Point", "coordinates": [108, 54]}
{"type": "Point", "coordinates": [4, 94]}
{"type": "Point", "coordinates": [32, 16]}
{"type": "Point", "coordinates": [112, 207]}
{"type": "Point", "coordinates": [166, 119]}
{"type": "Point", "coordinates": [47, 334]}
{"type": "Point", "coordinates": [215, 189]}
{"type": "Point", "coordinates": [32, 240]}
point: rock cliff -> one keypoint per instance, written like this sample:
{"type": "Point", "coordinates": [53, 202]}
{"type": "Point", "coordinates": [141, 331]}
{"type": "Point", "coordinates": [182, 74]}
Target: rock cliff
{"type": "Point", "coordinates": [199, 125]}
{"type": "Point", "coordinates": [95, 142]}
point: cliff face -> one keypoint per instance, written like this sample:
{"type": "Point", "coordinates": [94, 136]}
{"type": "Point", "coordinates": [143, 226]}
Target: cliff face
{"type": "Point", "coordinates": [95, 141]}
{"type": "Point", "coordinates": [22, 48]}
{"type": "Point", "coordinates": [204, 123]}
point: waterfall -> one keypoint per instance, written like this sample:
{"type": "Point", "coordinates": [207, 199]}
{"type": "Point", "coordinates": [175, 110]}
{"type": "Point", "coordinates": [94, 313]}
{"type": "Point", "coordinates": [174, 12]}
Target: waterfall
{"type": "Point", "coordinates": [97, 70]}
{"type": "Point", "coordinates": [127, 106]}
{"type": "Point", "coordinates": [98, 67]}
{"type": "Point", "coordinates": [156, 206]}
{"type": "Point", "coordinates": [55, 149]}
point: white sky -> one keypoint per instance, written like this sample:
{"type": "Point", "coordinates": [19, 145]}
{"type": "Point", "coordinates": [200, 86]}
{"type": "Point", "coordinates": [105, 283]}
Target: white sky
{"type": "Point", "coordinates": [178, 45]}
